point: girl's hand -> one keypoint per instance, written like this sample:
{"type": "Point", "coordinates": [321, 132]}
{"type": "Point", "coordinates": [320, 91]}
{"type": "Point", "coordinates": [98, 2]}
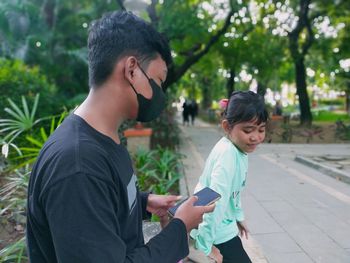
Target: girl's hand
{"type": "Point", "coordinates": [215, 255]}
{"type": "Point", "coordinates": [243, 229]}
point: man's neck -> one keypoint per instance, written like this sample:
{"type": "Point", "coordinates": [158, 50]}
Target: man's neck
{"type": "Point", "coordinates": [102, 113]}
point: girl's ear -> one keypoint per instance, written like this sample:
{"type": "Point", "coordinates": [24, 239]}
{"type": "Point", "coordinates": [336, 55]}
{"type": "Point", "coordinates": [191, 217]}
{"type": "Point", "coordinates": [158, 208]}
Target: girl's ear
{"type": "Point", "coordinates": [226, 126]}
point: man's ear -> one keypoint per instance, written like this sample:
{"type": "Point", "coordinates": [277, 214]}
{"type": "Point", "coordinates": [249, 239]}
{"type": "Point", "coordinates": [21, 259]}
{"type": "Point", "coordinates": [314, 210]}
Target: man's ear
{"type": "Point", "coordinates": [130, 64]}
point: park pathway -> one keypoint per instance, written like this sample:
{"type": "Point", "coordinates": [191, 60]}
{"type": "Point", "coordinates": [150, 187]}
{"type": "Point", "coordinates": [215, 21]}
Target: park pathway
{"type": "Point", "coordinates": [295, 213]}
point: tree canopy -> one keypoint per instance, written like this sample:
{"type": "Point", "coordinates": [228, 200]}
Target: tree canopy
{"type": "Point", "coordinates": [218, 46]}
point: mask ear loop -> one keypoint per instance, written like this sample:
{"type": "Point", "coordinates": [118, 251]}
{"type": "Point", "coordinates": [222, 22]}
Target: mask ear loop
{"type": "Point", "coordinates": [149, 79]}
{"type": "Point", "coordinates": [144, 73]}
{"type": "Point", "coordinates": [132, 86]}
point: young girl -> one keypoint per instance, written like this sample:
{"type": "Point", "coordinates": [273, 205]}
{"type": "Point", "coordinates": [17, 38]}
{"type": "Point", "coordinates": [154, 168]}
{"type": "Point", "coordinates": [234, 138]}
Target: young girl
{"type": "Point", "coordinates": [225, 171]}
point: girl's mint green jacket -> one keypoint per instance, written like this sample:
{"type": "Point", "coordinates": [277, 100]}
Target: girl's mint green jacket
{"type": "Point", "coordinates": [225, 172]}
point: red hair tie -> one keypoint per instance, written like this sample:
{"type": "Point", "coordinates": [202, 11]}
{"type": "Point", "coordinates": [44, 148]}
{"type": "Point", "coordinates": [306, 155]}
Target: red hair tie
{"type": "Point", "coordinates": [223, 103]}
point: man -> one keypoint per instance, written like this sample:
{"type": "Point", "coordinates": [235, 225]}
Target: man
{"type": "Point", "coordinates": [193, 110]}
{"type": "Point", "coordinates": [277, 110]}
{"type": "Point", "coordinates": [83, 202]}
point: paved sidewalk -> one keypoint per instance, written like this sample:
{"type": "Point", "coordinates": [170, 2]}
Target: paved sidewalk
{"type": "Point", "coordinates": [295, 213]}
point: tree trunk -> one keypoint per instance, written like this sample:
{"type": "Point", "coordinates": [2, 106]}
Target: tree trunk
{"type": "Point", "coordinates": [347, 99]}
{"type": "Point", "coordinates": [206, 102]}
{"type": "Point", "coordinates": [49, 13]}
{"type": "Point", "coordinates": [176, 72]}
{"type": "Point", "coordinates": [230, 84]}
{"type": "Point", "coordinates": [304, 102]}
{"type": "Point", "coordinates": [298, 50]}
{"type": "Point", "coordinates": [261, 90]}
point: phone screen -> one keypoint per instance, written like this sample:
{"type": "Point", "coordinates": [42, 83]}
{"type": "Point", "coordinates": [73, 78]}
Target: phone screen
{"type": "Point", "coordinates": [206, 196]}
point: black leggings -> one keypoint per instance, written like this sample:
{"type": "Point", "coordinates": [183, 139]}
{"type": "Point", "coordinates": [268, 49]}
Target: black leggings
{"type": "Point", "coordinates": [233, 251]}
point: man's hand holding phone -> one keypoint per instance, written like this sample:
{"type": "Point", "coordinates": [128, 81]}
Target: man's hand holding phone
{"type": "Point", "coordinates": [190, 214]}
{"type": "Point", "coordinates": [191, 211]}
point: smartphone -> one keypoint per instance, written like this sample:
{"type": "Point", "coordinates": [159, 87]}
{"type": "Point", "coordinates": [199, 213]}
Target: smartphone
{"type": "Point", "coordinates": [206, 196]}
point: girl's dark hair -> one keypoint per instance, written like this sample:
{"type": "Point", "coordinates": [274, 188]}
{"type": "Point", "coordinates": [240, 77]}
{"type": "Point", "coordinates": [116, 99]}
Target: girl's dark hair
{"type": "Point", "coordinates": [245, 106]}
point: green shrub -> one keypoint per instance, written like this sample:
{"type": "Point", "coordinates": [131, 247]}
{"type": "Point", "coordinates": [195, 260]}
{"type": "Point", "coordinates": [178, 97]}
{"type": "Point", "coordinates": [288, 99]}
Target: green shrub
{"type": "Point", "coordinates": [13, 193]}
{"type": "Point", "coordinates": [18, 79]}
{"type": "Point", "coordinates": [13, 196]}
{"type": "Point", "coordinates": [165, 130]}
{"type": "Point", "coordinates": [20, 119]}
{"type": "Point", "coordinates": [158, 170]}
{"type": "Point", "coordinates": [329, 102]}
{"type": "Point", "coordinates": [75, 101]}
{"type": "Point", "coordinates": [15, 252]}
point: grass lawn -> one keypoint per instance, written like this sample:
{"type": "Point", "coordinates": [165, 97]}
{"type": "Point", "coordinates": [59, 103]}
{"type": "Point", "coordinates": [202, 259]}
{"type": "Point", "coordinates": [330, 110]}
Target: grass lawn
{"type": "Point", "coordinates": [331, 116]}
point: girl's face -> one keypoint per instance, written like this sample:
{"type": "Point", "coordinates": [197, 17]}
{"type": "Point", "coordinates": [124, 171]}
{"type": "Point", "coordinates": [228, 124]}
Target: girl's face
{"type": "Point", "coordinates": [246, 135]}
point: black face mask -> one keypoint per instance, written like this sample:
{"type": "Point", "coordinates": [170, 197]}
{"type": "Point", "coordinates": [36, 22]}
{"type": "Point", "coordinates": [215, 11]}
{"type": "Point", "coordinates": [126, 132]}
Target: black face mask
{"type": "Point", "coordinates": [149, 109]}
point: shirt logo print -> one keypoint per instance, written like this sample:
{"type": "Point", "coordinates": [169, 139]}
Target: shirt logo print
{"type": "Point", "coordinates": [131, 188]}
{"type": "Point", "coordinates": [235, 195]}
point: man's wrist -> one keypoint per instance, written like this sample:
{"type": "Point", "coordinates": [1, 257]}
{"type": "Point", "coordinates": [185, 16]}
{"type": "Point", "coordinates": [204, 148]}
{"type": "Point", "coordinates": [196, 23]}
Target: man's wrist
{"type": "Point", "coordinates": [144, 202]}
{"type": "Point", "coordinates": [149, 199]}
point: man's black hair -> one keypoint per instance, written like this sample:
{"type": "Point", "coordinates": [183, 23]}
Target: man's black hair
{"type": "Point", "coordinates": [245, 106]}
{"type": "Point", "coordinates": [119, 34]}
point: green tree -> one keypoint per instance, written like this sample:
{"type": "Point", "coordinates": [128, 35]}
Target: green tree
{"type": "Point", "coordinates": [299, 21]}
{"type": "Point", "coordinates": [193, 27]}
{"type": "Point", "coordinates": [334, 50]}
{"type": "Point", "coordinates": [265, 56]}
{"type": "Point", "coordinates": [52, 34]}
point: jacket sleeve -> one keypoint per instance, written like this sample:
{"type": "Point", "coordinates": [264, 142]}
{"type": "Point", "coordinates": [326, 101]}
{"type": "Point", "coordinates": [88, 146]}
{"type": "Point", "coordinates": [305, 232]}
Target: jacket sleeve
{"type": "Point", "coordinates": [82, 216]}
{"type": "Point", "coordinates": [220, 182]}
{"type": "Point", "coordinates": [144, 200]}
{"type": "Point", "coordinates": [238, 211]}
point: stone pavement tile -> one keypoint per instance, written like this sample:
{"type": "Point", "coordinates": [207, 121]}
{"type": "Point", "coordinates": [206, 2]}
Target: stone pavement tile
{"type": "Point", "coordinates": [341, 211]}
{"type": "Point", "coordinates": [197, 255]}
{"type": "Point", "coordinates": [261, 191]}
{"type": "Point", "coordinates": [277, 243]}
{"type": "Point", "coordinates": [254, 250]}
{"type": "Point", "coordinates": [329, 224]}
{"type": "Point", "coordinates": [260, 260]}
{"type": "Point", "coordinates": [297, 257]}
{"type": "Point", "coordinates": [312, 240]}
{"type": "Point", "coordinates": [315, 174]}
{"type": "Point", "coordinates": [273, 206]}
{"type": "Point", "coordinates": [258, 220]}
{"type": "Point", "coordinates": [204, 142]}
{"type": "Point", "coordinates": [150, 229]}
{"type": "Point", "coordinates": [292, 218]}
{"type": "Point", "coordinates": [328, 255]}
{"type": "Point", "coordinates": [308, 236]}
{"type": "Point", "coordinates": [318, 245]}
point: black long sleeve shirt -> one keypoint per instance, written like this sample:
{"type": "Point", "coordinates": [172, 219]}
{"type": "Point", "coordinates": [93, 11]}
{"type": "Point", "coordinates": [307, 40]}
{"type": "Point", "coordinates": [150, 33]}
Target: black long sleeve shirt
{"type": "Point", "coordinates": [84, 204]}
